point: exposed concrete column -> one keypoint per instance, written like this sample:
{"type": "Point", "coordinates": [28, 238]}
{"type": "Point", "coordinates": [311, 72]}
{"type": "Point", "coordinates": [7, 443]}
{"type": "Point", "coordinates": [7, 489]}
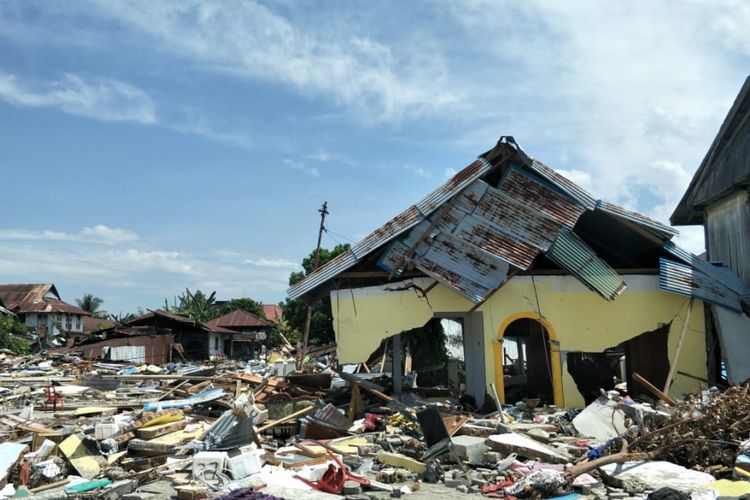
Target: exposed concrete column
{"type": "Point", "coordinates": [396, 363]}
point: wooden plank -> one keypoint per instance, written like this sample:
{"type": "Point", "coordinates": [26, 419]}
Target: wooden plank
{"type": "Point", "coordinates": [653, 390]}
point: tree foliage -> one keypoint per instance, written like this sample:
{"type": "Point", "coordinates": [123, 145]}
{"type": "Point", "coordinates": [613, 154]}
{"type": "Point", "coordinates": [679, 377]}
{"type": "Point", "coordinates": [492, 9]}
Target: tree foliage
{"type": "Point", "coordinates": [295, 311]}
{"type": "Point", "coordinates": [10, 326]}
{"type": "Point", "coordinates": [194, 305]}
{"type": "Point", "coordinates": [92, 304]}
{"type": "Point", "coordinates": [245, 304]}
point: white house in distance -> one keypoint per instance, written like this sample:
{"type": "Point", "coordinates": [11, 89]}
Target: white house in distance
{"type": "Point", "coordinates": [39, 306]}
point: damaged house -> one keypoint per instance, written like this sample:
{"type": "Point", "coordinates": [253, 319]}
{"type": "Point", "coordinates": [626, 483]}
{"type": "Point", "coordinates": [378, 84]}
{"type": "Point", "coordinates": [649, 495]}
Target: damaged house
{"type": "Point", "coordinates": [249, 331]}
{"type": "Point", "coordinates": [718, 198]}
{"type": "Point", "coordinates": [558, 293]}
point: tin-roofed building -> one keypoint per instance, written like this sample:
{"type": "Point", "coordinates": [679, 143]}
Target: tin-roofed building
{"type": "Point", "coordinates": [549, 283]}
{"type": "Point", "coordinates": [44, 313]}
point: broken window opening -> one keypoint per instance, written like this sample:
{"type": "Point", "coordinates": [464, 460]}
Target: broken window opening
{"type": "Point", "coordinates": [527, 367]}
{"type": "Point", "coordinates": [593, 372]}
{"type": "Point", "coordinates": [645, 354]}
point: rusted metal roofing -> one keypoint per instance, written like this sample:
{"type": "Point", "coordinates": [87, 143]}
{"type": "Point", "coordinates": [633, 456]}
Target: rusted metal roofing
{"type": "Point", "coordinates": [396, 226]}
{"type": "Point", "coordinates": [455, 184]}
{"type": "Point", "coordinates": [168, 316]}
{"type": "Point", "coordinates": [403, 221]}
{"type": "Point", "coordinates": [337, 265]}
{"type": "Point", "coordinates": [470, 245]}
{"type": "Point", "coordinates": [571, 188]}
{"type": "Point", "coordinates": [27, 297]}
{"type": "Point", "coordinates": [664, 231]}
{"type": "Point", "coordinates": [238, 319]}
{"type": "Point", "coordinates": [574, 255]}
{"type": "Point", "coordinates": [719, 273]}
{"type": "Point", "coordinates": [157, 347]}
{"type": "Point", "coordinates": [58, 306]}
{"type": "Point", "coordinates": [462, 266]}
{"type": "Point", "coordinates": [686, 280]}
{"type": "Point", "coordinates": [542, 197]}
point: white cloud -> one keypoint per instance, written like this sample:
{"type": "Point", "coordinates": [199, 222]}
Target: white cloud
{"type": "Point", "coordinates": [417, 170]}
{"type": "Point", "coordinates": [93, 234]}
{"type": "Point", "coordinates": [449, 172]}
{"type": "Point", "coordinates": [301, 167]}
{"type": "Point", "coordinates": [325, 156]}
{"type": "Point", "coordinates": [102, 99]}
{"type": "Point", "coordinates": [251, 41]}
{"type": "Point", "coordinates": [266, 262]}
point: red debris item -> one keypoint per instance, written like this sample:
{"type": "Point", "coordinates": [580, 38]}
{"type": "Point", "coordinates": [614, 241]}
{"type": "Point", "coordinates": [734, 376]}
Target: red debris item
{"type": "Point", "coordinates": [372, 421]}
{"type": "Point", "coordinates": [51, 397]}
{"type": "Point", "coordinates": [333, 479]}
{"type": "Point", "coordinates": [491, 490]}
{"type": "Point", "coordinates": [23, 476]}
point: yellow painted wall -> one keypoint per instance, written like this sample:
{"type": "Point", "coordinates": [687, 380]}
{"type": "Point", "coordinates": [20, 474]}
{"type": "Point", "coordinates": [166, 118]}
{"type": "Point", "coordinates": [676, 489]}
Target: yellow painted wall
{"type": "Point", "coordinates": [578, 318]}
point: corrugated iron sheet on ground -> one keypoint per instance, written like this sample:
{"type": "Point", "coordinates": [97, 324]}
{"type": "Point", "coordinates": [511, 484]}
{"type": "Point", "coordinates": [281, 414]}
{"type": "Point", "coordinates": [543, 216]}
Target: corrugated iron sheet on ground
{"type": "Point", "coordinates": [574, 255]}
{"type": "Point", "coordinates": [681, 278]}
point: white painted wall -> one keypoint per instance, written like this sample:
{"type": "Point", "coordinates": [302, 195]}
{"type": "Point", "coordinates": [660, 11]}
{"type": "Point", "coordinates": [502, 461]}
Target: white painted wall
{"type": "Point", "coordinates": [52, 320]}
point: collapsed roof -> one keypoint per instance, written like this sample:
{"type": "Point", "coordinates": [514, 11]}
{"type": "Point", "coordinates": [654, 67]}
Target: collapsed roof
{"type": "Point", "coordinates": [506, 214]}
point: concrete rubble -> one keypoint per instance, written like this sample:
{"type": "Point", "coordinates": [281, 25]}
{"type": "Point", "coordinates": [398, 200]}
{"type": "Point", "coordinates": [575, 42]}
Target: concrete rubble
{"type": "Point", "coordinates": [74, 428]}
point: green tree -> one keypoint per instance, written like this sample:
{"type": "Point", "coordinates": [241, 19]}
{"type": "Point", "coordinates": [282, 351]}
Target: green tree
{"type": "Point", "coordinates": [244, 303]}
{"type": "Point", "coordinates": [91, 304]}
{"type": "Point", "coordinates": [295, 311]}
{"type": "Point", "coordinates": [10, 326]}
{"type": "Point", "coordinates": [197, 306]}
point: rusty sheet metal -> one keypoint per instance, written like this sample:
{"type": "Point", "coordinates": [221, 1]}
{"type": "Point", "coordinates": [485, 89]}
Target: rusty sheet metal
{"type": "Point", "coordinates": [339, 264]}
{"type": "Point", "coordinates": [574, 255]}
{"type": "Point", "coordinates": [476, 231]}
{"type": "Point", "coordinates": [403, 221]}
{"type": "Point", "coordinates": [686, 280]}
{"type": "Point", "coordinates": [395, 255]}
{"type": "Point", "coordinates": [544, 198]}
{"type": "Point", "coordinates": [662, 230]}
{"type": "Point", "coordinates": [571, 188]}
{"type": "Point", "coordinates": [719, 273]}
{"type": "Point", "coordinates": [461, 266]}
{"type": "Point", "coordinates": [455, 184]}
{"type": "Point", "coordinates": [516, 219]}
{"type": "Point", "coordinates": [158, 347]}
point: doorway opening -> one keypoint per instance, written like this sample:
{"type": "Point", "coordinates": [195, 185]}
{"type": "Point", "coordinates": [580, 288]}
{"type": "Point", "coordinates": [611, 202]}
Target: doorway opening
{"type": "Point", "coordinates": [527, 363]}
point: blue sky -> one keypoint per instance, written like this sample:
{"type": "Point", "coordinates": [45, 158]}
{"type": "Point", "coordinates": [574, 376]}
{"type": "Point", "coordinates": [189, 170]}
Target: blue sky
{"type": "Point", "coordinates": [152, 146]}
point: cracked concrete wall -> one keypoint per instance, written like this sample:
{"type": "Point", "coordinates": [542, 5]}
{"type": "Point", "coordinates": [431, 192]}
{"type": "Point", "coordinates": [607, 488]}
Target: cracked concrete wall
{"type": "Point", "coordinates": [581, 320]}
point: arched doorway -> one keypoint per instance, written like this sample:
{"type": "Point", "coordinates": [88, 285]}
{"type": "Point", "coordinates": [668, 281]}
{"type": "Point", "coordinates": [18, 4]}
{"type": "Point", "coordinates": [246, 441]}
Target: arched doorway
{"type": "Point", "coordinates": [527, 360]}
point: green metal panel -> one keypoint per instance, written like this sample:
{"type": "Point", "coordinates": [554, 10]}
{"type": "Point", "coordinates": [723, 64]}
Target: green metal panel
{"type": "Point", "coordinates": [575, 256]}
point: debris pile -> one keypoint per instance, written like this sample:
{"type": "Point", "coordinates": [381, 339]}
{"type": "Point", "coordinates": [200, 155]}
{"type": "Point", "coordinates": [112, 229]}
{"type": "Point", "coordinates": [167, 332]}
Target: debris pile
{"type": "Point", "coordinates": [75, 428]}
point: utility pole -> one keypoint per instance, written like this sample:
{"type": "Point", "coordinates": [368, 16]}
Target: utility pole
{"type": "Point", "coordinates": [323, 212]}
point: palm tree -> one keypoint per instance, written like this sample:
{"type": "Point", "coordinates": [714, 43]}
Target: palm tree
{"type": "Point", "coordinates": [196, 305]}
{"type": "Point", "coordinates": [91, 304]}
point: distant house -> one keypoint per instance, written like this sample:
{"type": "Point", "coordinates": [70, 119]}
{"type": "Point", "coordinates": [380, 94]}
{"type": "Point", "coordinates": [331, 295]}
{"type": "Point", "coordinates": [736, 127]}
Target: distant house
{"type": "Point", "coordinates": [273, 312]}
{"type": "Point", "coordinates": [249, 331]}
{"type": "Point", "coordinates": [93, 324]}
{"type": "Point", "coordinates": [39, 306]}
{"type": "Point", "coordinates": [197, 340]}
{"type": "Point", "coordinates": [718, 197]}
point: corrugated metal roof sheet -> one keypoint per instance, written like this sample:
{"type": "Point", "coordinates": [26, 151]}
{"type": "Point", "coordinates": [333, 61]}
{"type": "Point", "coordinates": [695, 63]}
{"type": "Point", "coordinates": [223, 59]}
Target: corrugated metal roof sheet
{"type": "Point", "coordinates": [238, 318]}
{"type": "Point", "coordinates": [455, 184]}
{"type": "Point", "coordinates": [575, 256]}
{"type": "Point", "coordinates": [461, 266]}
{"type": "Point", "coordinates": [657, 227]}
{"type": "Point", "coordinates": [403, 221]}
{"type": "Point", "coordinates": [517, 219]}
{"type": "Point", "coordinates": [686, 280]}
{"type": "Point", "coordinates": [337, 265]}
{"type": "Point", "coordinates": [407, 219]}
{"type": "Point", "coordinates": [574, 190]}
{"type": "Point", "coordinates": [27, 297]}
{"type": "Point", "coordinates": [719, 273]}
{"type": "Point", "coordinates": [542, 197]}
{"type": "Point", "coordinates": [476, 231]}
